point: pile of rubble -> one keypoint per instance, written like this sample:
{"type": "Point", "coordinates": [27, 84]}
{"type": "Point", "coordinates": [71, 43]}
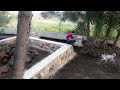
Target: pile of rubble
{"type": "Point", "coordinates": [50, 47]}
{"type": "Point", "coordinates": [7, 53]}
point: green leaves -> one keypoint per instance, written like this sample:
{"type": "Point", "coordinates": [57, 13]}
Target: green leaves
{"type": "Point", "coordinates": [73, 16]}
{"type": "Point", "coordinates": [4, 18]}
{"type": "Point", "coordinates": [50, 14]}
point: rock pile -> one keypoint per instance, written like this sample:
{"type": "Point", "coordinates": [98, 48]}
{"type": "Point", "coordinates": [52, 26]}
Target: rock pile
{"type": "Point", "coordinates": [7, 57]}
{"type": "Point", "coordinates": [50, 47]}
{"type": "Point", "coordinates": [7, 53]}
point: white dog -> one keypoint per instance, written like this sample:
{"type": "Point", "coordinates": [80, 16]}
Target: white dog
{"type": "Point", "coordinates": [106, 57]}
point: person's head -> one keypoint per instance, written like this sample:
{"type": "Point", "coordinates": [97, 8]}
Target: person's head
{"type": "Point", "coordinates": [72, 32]}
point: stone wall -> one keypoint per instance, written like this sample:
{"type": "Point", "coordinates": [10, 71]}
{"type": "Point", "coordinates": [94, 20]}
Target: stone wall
{"type": "Point", "coordinates": [51, 64]}
{"type": "Point", "coordinates": [46, 46]}
{"type": "Point", "coordinates": [60, 55]}
{"type": "Point", "coordinates": [56, 64]}
{"type": "Point", "coordinates": [42, 44]}
{"type": "Point", "coordinates": [11, 40]}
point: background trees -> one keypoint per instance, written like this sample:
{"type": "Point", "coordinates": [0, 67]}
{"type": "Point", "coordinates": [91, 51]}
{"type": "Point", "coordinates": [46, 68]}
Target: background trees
{"type": "Point", "coordinates": [105, 22]}
{"type": "Point", "coordinates": [50, 14]}
{"type": "Point", "coordinates": [4, 18]}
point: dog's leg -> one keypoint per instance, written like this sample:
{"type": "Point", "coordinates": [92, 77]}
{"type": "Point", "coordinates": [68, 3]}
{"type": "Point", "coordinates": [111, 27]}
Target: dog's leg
{"type": "Point", "coordinates": [113, 60]}
{"type": "Point", "coordinates": [104, 60]}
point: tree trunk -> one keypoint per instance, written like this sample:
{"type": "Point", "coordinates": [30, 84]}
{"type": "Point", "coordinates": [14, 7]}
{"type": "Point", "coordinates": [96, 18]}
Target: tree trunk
{"type": "Point", "coordinates": [88, 30]}
{"type": "Point", "coordinates": [116, 39]}
{"type": "Point", "coordinates": [107, 35]}
{"type": "Point", "coordinates": [23, 30]}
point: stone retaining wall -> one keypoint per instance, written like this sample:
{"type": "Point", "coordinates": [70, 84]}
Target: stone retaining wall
{"type": "Point", "coordinates": [42, 44]}
{"type": "Point", "coordinates": [50, 47]}
{"type": "Point", "coordinates": [11, 40]}
{"type": "Point", "coordinates": [61, 54]}
{"type": "Point", "coordinates": [51, 64]}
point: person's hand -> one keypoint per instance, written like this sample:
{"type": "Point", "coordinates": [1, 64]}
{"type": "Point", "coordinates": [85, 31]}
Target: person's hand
{"type": "Point", "coordinates": [74, 39]}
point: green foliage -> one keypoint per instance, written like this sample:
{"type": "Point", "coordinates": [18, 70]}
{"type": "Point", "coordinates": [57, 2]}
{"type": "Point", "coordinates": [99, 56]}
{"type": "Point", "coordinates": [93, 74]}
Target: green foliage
{"type": "Point", "coordinates": [52, 27]}
{"type": "Point", "coordinates": [4, 18]}
{"type": "Point", "coordinates": [98, 21]}
{"type": "Point", "coordinates": [50, 14]}
{"type": "Point", "coordinates": [73, 16]}
{"type": "Point", "coordinates": [45, 15]}
{"type": "Point", "coordinates": [102, 22]}
{"type": "Point", "coordinates": [105, 22]}
{"type": "Point", "coordinates": [81, 28]}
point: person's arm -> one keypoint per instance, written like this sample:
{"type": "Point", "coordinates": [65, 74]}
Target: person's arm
{"type": "Point", "coordinates": [72, 37]}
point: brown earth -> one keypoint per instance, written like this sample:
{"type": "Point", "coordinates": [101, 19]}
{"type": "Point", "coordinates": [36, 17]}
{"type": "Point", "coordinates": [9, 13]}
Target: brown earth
{"type": "Point", "coordinates": [88, 66]}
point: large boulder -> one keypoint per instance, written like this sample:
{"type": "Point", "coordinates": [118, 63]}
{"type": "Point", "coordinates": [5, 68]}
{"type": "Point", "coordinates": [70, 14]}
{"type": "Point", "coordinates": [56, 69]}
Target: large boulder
{"type": "Point", "coordinates": [3, 54]}
{"type": "Point", "coordinates": [28, 59]}
{"type": "Point", "coordinates": [35, 52]}
{"type": "Point", "coordinates": [11, 61]}
{"type": "Point", "coordinates": [12, 45]}
{"type": "Point", "coordinates": [5, 61]}
{"type": "Point", "coordinates": [45, 46]}
{"type": "Point", "coordinates": [4, 69]}
{"type": "Point", "coordinates": [8, 50]}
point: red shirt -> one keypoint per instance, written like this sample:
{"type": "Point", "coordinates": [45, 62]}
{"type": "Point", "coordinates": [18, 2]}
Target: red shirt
{"type": "Point", "coordinates": [69, 35]}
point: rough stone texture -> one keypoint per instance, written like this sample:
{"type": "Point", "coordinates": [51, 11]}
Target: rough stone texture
{"type": "Point", "coordinates": [28, 59]}
{"type": "Point", "coordinates": [5, 61]}
{"type": "Point", "coordinates": [4, 69]}
{"type": "Point", "coordinates": [35, 53]}
{"type": "Point", "coordinates": [3, 54]}
{"type": "Point", "coordinates": [7, 50]}
{"type": "Point", "coordinates": [50, 47]}
{"type": "Point", "coordinates": [56, 64]}
{"type": "Point", "coordinates": [8, 40]}
{"type": "Point", "coordinates": [11, 61]}
{"type": "Point", "coordinates": [53, 66]}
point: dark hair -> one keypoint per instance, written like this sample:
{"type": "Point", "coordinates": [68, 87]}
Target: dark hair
{"type": "Point", "coordinates": [72, 31]}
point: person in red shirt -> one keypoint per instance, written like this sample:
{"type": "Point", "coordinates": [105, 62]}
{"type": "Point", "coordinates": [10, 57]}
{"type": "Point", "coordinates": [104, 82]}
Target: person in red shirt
{"type": "Point", "coordinates": [69, 37]}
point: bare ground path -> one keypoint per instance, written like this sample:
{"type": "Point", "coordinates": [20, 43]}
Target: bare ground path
{"type": "Point", "coordinates": [85, 67]}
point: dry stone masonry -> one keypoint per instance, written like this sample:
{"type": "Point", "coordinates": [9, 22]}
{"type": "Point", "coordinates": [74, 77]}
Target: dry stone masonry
{"type": "Point", "coordinates": [60, 55]}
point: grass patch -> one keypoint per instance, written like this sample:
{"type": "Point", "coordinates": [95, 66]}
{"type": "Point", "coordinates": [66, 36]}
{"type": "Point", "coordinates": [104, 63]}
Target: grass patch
{"type": "Point", "coordinates": [52, 25]}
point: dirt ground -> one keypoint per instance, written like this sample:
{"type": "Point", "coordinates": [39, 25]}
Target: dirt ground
{"type": "Point", "coordinates": [86, 67]}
